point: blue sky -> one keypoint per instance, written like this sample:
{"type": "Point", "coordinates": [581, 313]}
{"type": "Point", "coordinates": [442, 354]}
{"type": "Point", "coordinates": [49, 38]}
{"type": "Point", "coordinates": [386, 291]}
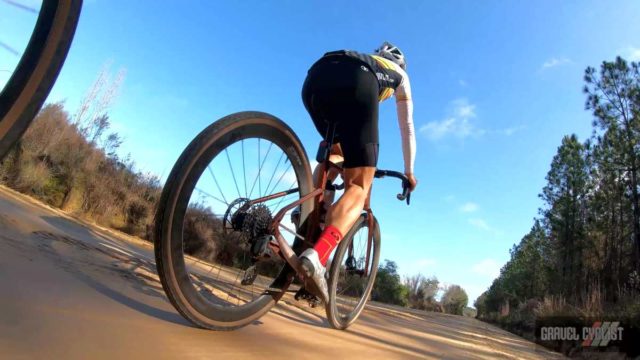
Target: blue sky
{"type": "Point", "coordinates": [495, 86]}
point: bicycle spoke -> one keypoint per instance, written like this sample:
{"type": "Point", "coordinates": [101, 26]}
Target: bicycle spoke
{"type": "Point", "coordinates": [275, 206]}
{"type": "Point", "coordinates": [352, 285]}
{"type": "Point", "coordinates": [362, 244]}
{"type": "Point", "coordinates": [229, 293]}
{"type": "Point", "coordinates": [21, 6]}
{"type": "Point", "coordinates": [9, 49]}
{"type": "Point", "coordinates": [244, 172]}
{"type": "Point", "coordinates": [233, 175]}
{"type": "Point", "coordinates": [260, 169]}
{"type": "Point", "coordinates": [281, 176]}
{"type": "Point", "coordinates": [290, 187]}
{"type": "Point", "coordinates": [274, 172]}
{"type": "Point", "coordinates": [211, 196]}
{"type": "Point", "coordinates": [218, 185]}
{"type": "Point", "coordinates": [348, 287]}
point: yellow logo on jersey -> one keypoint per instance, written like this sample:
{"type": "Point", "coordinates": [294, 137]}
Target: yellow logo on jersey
{"type": "Point", "coordinates": [385, 94]}
{"type": "Point", "coordinates": [385, 63]}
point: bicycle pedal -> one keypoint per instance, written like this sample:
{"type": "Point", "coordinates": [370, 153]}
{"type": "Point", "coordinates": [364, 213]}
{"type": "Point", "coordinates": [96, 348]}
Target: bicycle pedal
{"type": "Point", "coordinates": [314, 302]}
{"type": "Point", "coordinates": [306, 295]}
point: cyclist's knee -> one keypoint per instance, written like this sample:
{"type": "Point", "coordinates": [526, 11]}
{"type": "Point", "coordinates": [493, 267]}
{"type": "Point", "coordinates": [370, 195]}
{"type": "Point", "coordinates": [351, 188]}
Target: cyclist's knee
{"type": "Point", "coordinates": [361, 196]}
{"type": "Point", "coordinates": [361, 177]}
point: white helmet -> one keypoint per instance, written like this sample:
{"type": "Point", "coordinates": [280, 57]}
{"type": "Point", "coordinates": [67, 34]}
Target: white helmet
{"type": "Point", "coordinates": [391, 52]}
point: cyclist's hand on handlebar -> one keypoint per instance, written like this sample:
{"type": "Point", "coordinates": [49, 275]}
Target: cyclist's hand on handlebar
{"type": "Point", "coordinates": [413, 182]}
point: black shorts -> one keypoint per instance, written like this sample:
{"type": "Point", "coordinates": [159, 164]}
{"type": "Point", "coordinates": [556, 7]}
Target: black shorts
{"type": "Point", "coordinates": [341, 90]}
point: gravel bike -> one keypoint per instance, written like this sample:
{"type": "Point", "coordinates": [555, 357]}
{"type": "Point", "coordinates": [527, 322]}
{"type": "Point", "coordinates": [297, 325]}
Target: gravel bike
{"type": "Point", "coordinates": [39, 66]}
{"type": "Point", "coordinates": [226, 239]}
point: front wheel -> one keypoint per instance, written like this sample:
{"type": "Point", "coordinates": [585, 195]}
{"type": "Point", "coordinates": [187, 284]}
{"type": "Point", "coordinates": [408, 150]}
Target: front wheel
{"type": "Point", "coordinates": [353, 273]}
{"type": "Point", "coordinates": [208, 221]}
{"type": "Point", "coordinates": [34, 76]}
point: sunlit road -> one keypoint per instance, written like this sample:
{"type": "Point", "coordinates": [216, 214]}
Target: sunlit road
{"type": "Point", "coordinates": [72, 291]}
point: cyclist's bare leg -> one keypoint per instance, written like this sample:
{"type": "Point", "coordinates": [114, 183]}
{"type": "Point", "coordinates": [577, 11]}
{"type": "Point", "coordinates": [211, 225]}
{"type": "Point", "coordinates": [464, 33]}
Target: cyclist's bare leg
{"type": "Point", "coordinates": [367, 202]}
{"type": "Point", "coordinates": [340, 218]}
{"type": "Point", "coordinates": [344, 213]}
{"type": "Point", "coordinates": [336, 157]}
{"type": "Point", "coordinates": [312, 267]}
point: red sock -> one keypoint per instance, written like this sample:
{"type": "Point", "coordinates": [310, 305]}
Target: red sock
{"type": "Point", "coordinates": [328, 240]}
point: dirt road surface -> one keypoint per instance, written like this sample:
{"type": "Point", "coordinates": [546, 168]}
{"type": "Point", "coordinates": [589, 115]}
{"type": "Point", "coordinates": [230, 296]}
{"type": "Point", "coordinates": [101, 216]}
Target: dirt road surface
{"type": "Point", "coordinates": [69, 290]}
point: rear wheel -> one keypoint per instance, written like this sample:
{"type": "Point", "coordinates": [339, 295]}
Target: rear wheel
{"type": "Point", "coordinates": [36, 72]}
{"type": "Point", "coordinates": [351, 278]}
{"type": "Point", "coordinates": [206, 228]}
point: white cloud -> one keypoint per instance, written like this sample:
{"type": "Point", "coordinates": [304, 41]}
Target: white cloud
{"type": "Point", "coordinates": [462, 83]}
{"type": "Point", "coordinates": [554, 62]}
{"type": "Point", "coordinates": [469, 207]}
{"type": "Point", "coordinates": [436, 130]}
{"type": "Point", "coordinates": [457, 125]}
{"type": "Point", "coordinates": [632, 54]}
{"type": "Point", "coordinates": [511, 130]}
{"type": "Point", "coordinates": [483, 225]}
{"type": "Point", "coordinates": [462, 109]}
{"type": "Point", "coordinates": [488, 268]}
{"type": "Point", "coordinates": [480, 224]}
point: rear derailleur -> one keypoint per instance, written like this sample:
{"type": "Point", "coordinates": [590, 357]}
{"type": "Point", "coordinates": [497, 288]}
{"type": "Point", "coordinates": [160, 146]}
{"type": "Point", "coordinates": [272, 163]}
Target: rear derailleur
{"type": "Point", "coordinates": [259, 250]}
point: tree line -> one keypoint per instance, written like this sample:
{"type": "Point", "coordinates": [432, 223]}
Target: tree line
{"type": "Point", "coordinates": [418, 292]}
{"type": "Point", "coordinates": [582, 254]}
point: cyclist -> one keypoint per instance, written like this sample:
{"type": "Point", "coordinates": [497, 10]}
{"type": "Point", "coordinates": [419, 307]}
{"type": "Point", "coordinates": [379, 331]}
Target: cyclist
{"type": "Point", "coordinates": [345, 87]}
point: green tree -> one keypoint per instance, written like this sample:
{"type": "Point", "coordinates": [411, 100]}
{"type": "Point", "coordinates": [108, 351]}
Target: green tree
{"type": "Point", "coordinates": [565, 213]}
{"type": "Point", "coordinates": [454, 299]}
{"type": "Point", "coordinates": [421, 291]}
{"type": "Point", "coordinates": [481, 304]}
{"type": "Point", "coordinates": [529, 267]}
{"type": "Point", "coordinates": [387, 287]}
{"type": "Point", "coordinates": [610, 257]}
{"type": "Point", "coordinates": [613, 94]}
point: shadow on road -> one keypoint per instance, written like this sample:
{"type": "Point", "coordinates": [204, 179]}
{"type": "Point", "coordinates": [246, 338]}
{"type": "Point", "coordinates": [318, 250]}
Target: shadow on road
{"type": "Point", "coordinates": [88, 260]}
{"type": "Point", "coordinates": [302, 317]}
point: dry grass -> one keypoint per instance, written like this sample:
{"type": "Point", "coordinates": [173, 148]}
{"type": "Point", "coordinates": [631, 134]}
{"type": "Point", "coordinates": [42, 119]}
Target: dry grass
{"type": "Point", "coordinates": [55, 163]}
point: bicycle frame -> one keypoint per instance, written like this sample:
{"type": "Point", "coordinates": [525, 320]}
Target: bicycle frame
{"type": "Point", "coordinates": [284, 250]}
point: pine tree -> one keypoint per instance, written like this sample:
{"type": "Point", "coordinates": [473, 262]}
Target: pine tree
{"type": "Point", "coordinates": [613, 95]}
{"type": "Point", "coordinates": [565, 213]}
